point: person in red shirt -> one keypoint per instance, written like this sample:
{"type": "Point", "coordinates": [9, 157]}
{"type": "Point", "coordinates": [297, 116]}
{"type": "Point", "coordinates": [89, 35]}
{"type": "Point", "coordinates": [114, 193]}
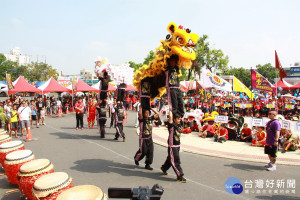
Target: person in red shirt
{"type": "Point", "coordinates": [133, 100]}
{"type": "Point", "coordinates": [79, 107]}
{"type": "Point", "coordinates": [195, 126]}
{"type": "Point", "coordinates": [206, 131]}
{"type": "Point", "coordinates": [128, 102]}
{"type": "Point", "coordinates": [186, 128]}
{"type": "Point", "coordinates": [260, 139]}
{"type": "Point", "coordinates": [222, 135]}
{"type": "Point", "coordinates": [91, 109]}
{"type": "Point", "coordinates": [246, 134]}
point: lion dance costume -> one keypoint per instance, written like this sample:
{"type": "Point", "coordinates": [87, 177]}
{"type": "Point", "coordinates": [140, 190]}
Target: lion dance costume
{"type": "Point", "coordinates": [162, 74]}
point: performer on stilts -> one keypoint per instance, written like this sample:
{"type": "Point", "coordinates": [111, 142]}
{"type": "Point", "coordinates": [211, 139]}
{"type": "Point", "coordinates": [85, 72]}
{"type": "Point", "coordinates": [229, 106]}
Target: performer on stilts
{"type": "Point", "coordinates": [120, 112]}
{"type": "Point", "coordinates": [101, 111]}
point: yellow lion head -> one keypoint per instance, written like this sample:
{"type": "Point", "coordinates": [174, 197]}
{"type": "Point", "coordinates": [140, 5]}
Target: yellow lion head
{"type": "Point", "coordinates": [181, 42]}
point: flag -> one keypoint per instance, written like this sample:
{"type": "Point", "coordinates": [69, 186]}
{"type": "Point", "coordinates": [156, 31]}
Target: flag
{"type": "Point", "coordinates": [210, 80]}
{"type": "Point", "coordinates": [238, 86]}
{"type": "Point", "coordinates": [261, 83]}
{"type": "Point", "coordinates": [9, 82]}
{"type": "Point", "coordinates": [74, 82]}
{"type": "Point", "coordinates": [278, 66]}
{"type": "Point", "coordinates": [202, 94]}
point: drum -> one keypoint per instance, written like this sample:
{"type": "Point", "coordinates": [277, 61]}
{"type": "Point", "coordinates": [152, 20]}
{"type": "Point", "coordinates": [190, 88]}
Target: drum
{"type": "Point", "coordinates": [83, 192]}
{"type": "Point", "coordinates": [9, 147]}
{"type": "Point", "coordinates": [49, 186]}
{"type": "Point", "coordinates": [4, 138]}
{"type": "Point", "coordinates": [30, 172]}
{"type": "Point", "coordinates": [14, 161]}
{"type": "Point", "coordinates": [2, 131]}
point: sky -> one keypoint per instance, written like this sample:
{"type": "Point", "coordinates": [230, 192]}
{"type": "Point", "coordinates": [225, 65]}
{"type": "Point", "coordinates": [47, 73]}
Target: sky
{"type": "Point", "coordinates": [71, 34]}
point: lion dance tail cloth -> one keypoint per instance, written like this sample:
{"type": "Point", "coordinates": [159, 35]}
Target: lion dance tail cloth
{"type": "Point", "coordinates": [152, 80]}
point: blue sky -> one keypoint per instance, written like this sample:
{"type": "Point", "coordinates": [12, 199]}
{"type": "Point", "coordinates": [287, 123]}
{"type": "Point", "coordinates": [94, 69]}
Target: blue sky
{"type": "Point", "coordinates": [71, 33]}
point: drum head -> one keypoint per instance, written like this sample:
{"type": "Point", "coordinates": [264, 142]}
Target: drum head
{"type": "Point", "coordinates": [11, 144]}
{"type": "Point", "coordinates": [18, 155]}
{"type": "Point", "coordinates": [34, 166]}
{"type": "Point", "coordinates": [3, 137]}
{"type": "Point", "coordinates": [50, 183]}
{"type": "Point", "coordinates": [82, 192]}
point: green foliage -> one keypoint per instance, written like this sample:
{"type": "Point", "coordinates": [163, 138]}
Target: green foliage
{"type": "Point", "coordinates": [268, 71]}
{"type": "Point", "coordinates": [3, 117]}
{"type": "Point", "coordinates": [147, 60]}
{"type": "Point", "coordinates": [242, 74]}
{"type": "Point", "coordinates": [209, 57]}
{"type": "Point", "coordinates": [33, 72]}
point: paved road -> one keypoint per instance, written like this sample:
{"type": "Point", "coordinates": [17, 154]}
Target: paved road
{"type": "Point", "coordinates": [109, 163]}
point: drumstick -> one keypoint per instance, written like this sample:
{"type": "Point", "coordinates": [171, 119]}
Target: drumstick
{"type": "Point", "coordinates": [11, 191]}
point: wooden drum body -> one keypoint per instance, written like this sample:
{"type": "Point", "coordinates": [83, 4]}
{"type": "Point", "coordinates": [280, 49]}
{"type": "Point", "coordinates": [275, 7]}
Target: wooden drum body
{"type": "Point", "coordinates": [13, 163]}
{"type": "Point", "coordinates": [49, 186]}
{"type": "Point", "coordinates": [30, 172]}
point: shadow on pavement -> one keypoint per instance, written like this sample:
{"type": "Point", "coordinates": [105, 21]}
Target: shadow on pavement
{"type": "Point", "coordinates": [107, 166]}
{"type": "Point", "coordinates": [4, 184]}
{"type": "Point", "coordinates": [81, 135]}
{"type": "Point", "coordinates": [246, 167]}
{"type": "Point", "coordinates": [279, 197]}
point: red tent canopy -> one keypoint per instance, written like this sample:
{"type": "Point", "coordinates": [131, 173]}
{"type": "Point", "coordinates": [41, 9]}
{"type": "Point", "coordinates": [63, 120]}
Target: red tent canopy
{"type": "Point", "coordinates": [21, 85]}
{"type": "Point", "coordinates": [111, 88]}
{"type": "Point", "coordinates": [297, 86]}
{"type": "Point", "coordinates": [82, 86]}
{"type": "Point", "coordinates": [53, 86]}
{"type": "Point", "coordinates": [283, 84]}
{"type": "Point", "coordinates": [130, 88]}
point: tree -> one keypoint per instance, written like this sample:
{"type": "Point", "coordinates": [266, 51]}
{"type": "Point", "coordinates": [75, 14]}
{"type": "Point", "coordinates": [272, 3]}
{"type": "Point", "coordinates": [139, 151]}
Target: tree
{"type": "Point", "coordinates": [242, 74]}
{"type": "Point", "coordinates": [268, 71]}
{"type": "Point", "coordinates": [149, 58]}
{"type": "Point", "coordinates": [41, 72]}
{"type": "Point", "coordinates": [6, 66]}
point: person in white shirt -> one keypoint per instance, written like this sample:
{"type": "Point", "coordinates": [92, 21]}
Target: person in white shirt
{"type": "Point", "coordinates": [24, 114]}
{"type": "Point", "coordinates": [137, 106]}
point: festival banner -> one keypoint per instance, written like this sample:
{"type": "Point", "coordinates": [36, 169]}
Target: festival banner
{"type": "Point", "coordinates": [270, 106]}
{"type": "Point", "coordinates": [210, 80]}
{"type": "Point", "coordinates": [202, 93]}
{"type": "Point", "coordinates": [261, 83]}
{"type": "Point", "coordinates": [9, 82]}
{"type": "Point", "coordinates": [278, 66]}
{"type": "Point", "coordinates": [238, 105]}
{"type": "Point", "coordinates": [238, 86]}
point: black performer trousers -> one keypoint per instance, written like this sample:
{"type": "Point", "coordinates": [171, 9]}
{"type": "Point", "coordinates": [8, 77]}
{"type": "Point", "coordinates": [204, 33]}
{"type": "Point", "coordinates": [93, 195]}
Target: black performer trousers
{"type": "Point", "coordinates": [102, 127]}
{"type": "Point", "coordinates": [119, 127]}
{"type": "Point", "coordinates": [177, 101]}
{"type": "Point", "coordinates": [147, 150]}
{"type": "Point", "coordinates": [145, 103]}
{"type": "Point", "coordinates": [173, 160]}
{"type": "Point", "coordinates": [79, 120]}
{"type": "Point", "coordinates": [103, 95]}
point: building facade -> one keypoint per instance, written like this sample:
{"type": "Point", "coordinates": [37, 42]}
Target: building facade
{"type": "Point", "coordinates": [15, 56]}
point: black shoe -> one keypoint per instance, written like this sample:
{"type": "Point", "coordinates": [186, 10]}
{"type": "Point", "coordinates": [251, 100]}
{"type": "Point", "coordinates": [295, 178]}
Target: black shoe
{"type": "Point", "coordinates": [136, 162]}
{"type": "Point", "coordinates": [115, 138]}
{"type": "Point", "coordinates": [148, 167]}
{"type": "Point", "coordinates": [124, 139]}
{"type": "Point", "coordinates": [102, 136]}
{"type": "Point", "coordinates": [163, 171]}
{"type": "Point", "coordinates": [181, 179]}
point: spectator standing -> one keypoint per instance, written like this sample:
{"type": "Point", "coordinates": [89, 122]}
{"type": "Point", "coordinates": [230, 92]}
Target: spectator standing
{"type": "Point", "coordinates": [7, 110]}
{"type": "Point", "coordinates": [33, 113]}
{"type": "Point", "coordinates": [14, 121]}
{"type": "Point", "coordinates": [271, 147]}
{"type": "Point", "coordinates": [39, 105]}
{"type": "Point", "coordinates": [24, 113]}
{"type": "Point", "coordinates": [79, 108]}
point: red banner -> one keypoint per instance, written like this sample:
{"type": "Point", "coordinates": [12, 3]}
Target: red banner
{"type": "Point", "coordinates": [261, 83]}
{"type": "Point", "coordinates": [278, 66]}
